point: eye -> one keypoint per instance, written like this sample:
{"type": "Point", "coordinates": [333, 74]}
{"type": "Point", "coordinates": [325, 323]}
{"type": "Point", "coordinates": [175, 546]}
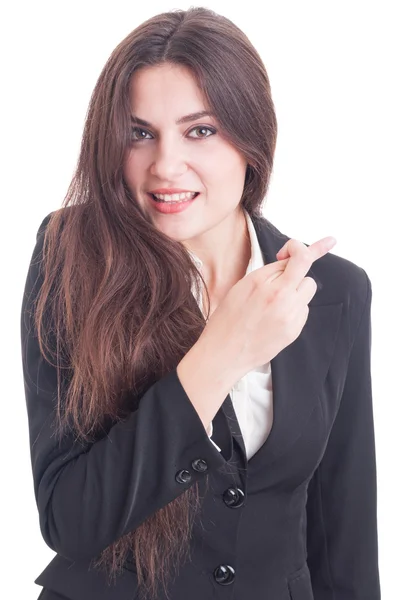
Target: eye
{"type": "Point", "coordinates": [139, 130]}
{"type": "Point", "coordinates": [202, 128]}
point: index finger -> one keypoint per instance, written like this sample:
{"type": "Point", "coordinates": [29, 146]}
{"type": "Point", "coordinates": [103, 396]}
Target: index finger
{"type": "Point", "coordinates": [302, 257]}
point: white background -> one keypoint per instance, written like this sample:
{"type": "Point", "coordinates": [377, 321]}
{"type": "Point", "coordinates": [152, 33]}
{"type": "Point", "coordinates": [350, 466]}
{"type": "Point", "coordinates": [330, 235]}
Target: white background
{"type": "Point", "coordinates": [333, 72]}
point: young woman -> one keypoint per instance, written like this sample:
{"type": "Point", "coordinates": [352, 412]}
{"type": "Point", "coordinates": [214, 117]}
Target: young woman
{"type": "Point", "coordinates": [200, 410]}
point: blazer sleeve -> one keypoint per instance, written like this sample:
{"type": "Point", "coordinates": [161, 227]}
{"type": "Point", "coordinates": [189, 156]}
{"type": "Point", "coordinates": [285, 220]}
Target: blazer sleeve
{"type": "Point", "coordinates": [342, 539]}
{"type": "Point", "coordinates": [88, 497]}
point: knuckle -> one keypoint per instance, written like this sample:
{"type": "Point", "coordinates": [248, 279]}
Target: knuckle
{"type": "Point", "coordinates": [283, 317]}
{"type": "Point", "coordinates": [312, 281]}
{"type": "Point", "coordinates": [277, 293]}
{"type": "Point", "coordinates": [314, 286]}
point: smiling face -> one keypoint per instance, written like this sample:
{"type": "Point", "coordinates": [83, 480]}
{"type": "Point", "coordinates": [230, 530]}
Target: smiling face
{"type": "Point", "coordinates": [190, 155]}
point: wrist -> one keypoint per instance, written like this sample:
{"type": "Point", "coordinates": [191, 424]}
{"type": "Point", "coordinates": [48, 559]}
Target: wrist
{"type": "Point", "coordinates": [213, 367]}
{"type": "Point", "coordinates": [205, 380]}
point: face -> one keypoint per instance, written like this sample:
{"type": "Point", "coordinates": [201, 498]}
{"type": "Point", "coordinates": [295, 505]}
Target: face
{"type": "Point", "coordinates": [191, 155]}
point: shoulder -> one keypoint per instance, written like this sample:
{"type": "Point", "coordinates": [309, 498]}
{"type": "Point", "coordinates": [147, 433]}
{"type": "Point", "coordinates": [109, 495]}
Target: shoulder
{"type": "Point", "coordinates": [341, 280]}
{"type": "Point", "coordinates": [64, 212]}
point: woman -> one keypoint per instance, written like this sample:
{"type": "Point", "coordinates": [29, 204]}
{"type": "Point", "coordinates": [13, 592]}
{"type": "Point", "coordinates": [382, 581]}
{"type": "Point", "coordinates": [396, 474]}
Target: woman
{"type": "Point", "coordinates": [200, 410]}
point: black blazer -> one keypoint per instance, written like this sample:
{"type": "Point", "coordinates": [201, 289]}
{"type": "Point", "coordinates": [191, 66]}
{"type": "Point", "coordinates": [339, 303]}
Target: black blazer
{"type": "Point", "coordinates": [298, 521]}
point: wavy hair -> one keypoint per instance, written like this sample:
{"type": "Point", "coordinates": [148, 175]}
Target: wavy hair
{"type": "Point", "coordinates": [116, 290]}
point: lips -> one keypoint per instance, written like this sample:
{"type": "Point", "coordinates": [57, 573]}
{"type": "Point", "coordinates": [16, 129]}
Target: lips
{"type": "Point", "coordinates": [170, 191]}
{"type": "Point", "coordinates": [171, 207]}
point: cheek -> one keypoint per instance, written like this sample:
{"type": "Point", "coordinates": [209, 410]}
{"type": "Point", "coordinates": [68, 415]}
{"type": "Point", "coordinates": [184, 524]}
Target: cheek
{"type": "Point", "coordinates": [228, 163]}
{"type": "Point", "coordinates": [133, 169]}
{"type": "Point", "coordinates": [225, 176]}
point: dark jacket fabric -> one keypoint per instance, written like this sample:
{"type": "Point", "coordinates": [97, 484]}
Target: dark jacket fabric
{"type": "Point", "coordinates": [298, 521]}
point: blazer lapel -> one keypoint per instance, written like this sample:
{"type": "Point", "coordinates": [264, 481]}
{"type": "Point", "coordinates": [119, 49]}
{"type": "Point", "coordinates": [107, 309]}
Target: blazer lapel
{"type": "Point", "coordinates": [298, 371]}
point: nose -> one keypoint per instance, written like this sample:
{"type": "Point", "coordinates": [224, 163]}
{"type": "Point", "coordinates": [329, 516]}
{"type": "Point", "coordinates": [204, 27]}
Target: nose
{"type": "Point", "coordinates": [169, 162]}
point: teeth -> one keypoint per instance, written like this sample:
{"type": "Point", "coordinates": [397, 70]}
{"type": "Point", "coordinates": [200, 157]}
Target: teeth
{"type": "Point", "coordinates": [175, 197]}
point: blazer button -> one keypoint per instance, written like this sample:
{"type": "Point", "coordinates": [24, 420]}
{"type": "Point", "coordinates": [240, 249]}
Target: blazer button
{"type": "Point", "coordinates": [233, 497]}
{"type": "Point", "coordinates": [224, 574]}
{"type": "Point", "coordinates": [199, 464]}
{"type": "Point", "coordinates": [183, 476]}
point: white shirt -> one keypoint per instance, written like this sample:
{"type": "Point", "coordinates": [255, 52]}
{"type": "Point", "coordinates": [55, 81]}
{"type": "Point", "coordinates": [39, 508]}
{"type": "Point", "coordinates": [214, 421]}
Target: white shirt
{"type": "Point", "coordinates": [251, 396]}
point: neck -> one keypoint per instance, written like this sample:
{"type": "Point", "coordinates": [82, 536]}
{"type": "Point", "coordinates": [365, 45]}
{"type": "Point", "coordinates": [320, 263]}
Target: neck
{"type": "Point", "coordinates": [225, 263]}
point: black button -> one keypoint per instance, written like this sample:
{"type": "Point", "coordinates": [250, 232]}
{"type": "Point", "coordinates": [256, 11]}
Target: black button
{"type": "Point", "coordinates": [199, 464]}
{"type": "Point", "coordinates": [233, 497]}
{"type": "Point", "coordinates": [224, 574]}
{"type": "Point", "coordinates": [183, 476]}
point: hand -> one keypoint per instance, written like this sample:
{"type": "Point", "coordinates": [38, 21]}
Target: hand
{"type": "Point", "coordinates": [265, 311]}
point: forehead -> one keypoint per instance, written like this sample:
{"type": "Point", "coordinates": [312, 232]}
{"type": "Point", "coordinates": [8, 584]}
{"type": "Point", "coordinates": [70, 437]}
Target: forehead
{"type": "Point", "coordinates": [164, 90]}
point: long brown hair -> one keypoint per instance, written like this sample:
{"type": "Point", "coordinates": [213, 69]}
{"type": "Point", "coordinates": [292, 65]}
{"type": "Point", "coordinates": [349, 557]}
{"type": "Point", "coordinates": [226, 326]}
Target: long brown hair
{"type": "Point", "coordinates": [114, 287]}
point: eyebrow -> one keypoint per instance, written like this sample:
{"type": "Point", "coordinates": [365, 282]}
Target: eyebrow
{"type": "Point", "coordinates": [187, 119]}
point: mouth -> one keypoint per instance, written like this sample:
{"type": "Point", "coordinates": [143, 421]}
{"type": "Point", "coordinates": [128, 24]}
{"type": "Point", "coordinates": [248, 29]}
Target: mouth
{"type": "Point", "coordinates": [172, 201]}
